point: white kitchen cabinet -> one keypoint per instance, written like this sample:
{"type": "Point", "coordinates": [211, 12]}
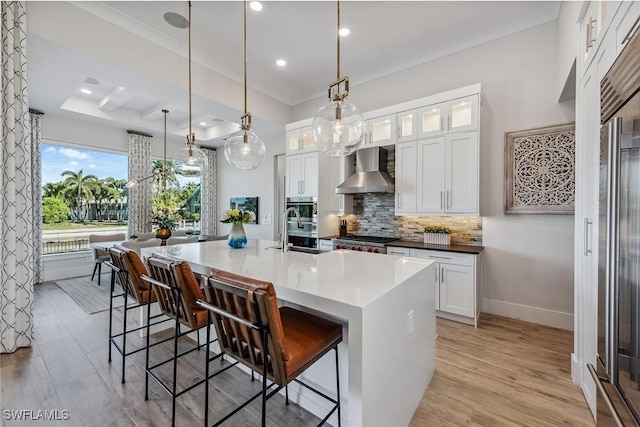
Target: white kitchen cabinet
{"type": "Point", "coordinates": [380, 131]}
{"type": "Point", "coordinates": [438, 175]}
{"type": "Point", "coordinates": [302, 175]}
{"type": "Point", "coordinates": [407, 125]}
{"type": "Point", "coordinates": [457, 115]}
{"type": "Point", "coordinates": [406, 173]}
{"type": "Point", "coordinates": [300, 140]}
{"type": "Point", "coordinates": [461, 173]}
{"type": "Point", "coordinates": [340, 168]}
{"type": "Point", "coordinates": [398, 251]}
{"type": "Point", "coordinates": [624, 23]}
{"type": "Point", "coordinates": [457, 284]}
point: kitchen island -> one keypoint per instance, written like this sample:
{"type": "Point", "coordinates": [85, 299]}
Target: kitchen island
{"type": "Point", "coordinates": [386, 305]}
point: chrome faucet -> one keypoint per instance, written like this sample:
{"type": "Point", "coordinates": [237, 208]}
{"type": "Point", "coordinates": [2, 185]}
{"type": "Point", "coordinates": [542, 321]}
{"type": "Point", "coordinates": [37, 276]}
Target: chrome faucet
{"type": "Point", "coordinates": [285, 231]}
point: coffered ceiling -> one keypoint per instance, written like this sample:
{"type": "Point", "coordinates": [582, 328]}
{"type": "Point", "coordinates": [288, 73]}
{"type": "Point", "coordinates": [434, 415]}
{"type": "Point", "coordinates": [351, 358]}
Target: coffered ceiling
{"type": "Point", "coordinates": [386, 37]}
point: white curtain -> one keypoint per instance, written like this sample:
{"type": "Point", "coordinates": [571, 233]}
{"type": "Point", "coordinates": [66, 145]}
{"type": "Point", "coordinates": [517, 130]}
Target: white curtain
{"type": "Point", "coordinates": [208, 194]}
{"type": "Point", "coordinates": [139, 199]}
{"type": "Point", "coordinates": [18, 227]}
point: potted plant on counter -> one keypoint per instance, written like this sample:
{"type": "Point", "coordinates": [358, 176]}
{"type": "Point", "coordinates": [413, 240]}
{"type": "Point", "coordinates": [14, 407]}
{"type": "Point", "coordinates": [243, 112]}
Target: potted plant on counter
{"type": "Point", "coordinates": [164, 221]}
{"type": "Point", "coordinates": [437, 235]}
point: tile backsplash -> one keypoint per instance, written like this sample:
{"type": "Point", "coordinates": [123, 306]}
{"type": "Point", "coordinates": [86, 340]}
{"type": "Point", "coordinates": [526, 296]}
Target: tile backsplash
{"type": "Point", "coordinates": [373, 215]}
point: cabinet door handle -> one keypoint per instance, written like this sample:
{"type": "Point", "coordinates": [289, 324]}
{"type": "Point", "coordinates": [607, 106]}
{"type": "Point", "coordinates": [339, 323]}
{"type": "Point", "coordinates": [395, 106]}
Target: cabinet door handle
{"type": "Point", "coordinates": [400, 131]}
{"type": "Point", "coordinates": [587, 248]}
{"type": "Point", "coordinates": [442, 275]}
{"type": "Point", "coordinates": [302, 192]}
{"type": "Point", "coordinates": [437, 274]}
{"type": "Point", "coordinates": [340, 201]}
{"type": "Point", "coordinates": [448, 200]}
{"type": "Point", "coordinates": [587, 42]}
{"type": "Point", "coordinates": [398, 200]}
{"type": "Point", "coordinates": [441, 200]}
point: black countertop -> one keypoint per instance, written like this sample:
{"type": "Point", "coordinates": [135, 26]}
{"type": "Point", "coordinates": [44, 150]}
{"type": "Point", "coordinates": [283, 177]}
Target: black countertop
{"type": "Point", "coordinates": [466, 249]}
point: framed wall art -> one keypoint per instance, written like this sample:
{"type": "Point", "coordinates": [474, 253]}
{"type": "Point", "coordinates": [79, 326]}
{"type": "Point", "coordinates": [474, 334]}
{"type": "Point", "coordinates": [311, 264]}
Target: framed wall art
{"type": "Point", "coordinates": [245, 204]}
{"type": "Point", "coordinates": [540, 171]}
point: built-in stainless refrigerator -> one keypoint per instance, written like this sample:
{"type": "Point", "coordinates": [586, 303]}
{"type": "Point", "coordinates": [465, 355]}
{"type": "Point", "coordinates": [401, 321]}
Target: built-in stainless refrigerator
{"type": "Point", "coordinates": [618, 372]}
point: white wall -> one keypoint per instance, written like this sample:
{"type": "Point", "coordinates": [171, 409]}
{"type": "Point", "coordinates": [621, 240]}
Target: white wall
{"type": "Point", "coordinates": [259, 182]}
{"type": "Point", "coordinates": [528, 259]}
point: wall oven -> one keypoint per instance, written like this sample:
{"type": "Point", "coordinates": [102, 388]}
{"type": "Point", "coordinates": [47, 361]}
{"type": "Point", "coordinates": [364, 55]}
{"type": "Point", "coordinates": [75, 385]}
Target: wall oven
{"type": "Point", "coordinates": [307, 235]}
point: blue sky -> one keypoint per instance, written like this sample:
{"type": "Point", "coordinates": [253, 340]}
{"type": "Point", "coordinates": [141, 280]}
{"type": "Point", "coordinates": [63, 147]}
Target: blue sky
{"type": "Point", "coordinates": [58, 158]}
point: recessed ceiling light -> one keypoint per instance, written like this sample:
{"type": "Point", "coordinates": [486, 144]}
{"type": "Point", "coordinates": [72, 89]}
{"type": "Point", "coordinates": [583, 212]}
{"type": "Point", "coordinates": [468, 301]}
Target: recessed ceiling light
{"type": "Point", "coordinates": [344, 32]}
{"type": "Point", "coordinates": [92, 81]}
{"type": "Point", "coordinates": [281, 62]}
{"type": "Point", "coordinates": [86, 91]}
{"type": "Point", "coordinates": [203, 123]}
{"type": "Point", "coordinates": [176, 20]}
{"type": "Point", "coordinates": [256, 5]}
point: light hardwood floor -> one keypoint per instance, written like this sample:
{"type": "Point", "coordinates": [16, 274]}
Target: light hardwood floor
{"type": "Point", "coordinates": [505, 373]}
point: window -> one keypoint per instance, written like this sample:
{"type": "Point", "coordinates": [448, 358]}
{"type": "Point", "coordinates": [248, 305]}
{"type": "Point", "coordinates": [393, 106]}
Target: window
{"type": "Point", "coordinates": [83, 192]}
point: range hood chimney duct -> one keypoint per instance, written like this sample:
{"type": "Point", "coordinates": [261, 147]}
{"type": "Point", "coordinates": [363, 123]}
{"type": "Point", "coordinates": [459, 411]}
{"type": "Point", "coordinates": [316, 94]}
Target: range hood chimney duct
{"type": "Point", "coordinates": [371, 174]}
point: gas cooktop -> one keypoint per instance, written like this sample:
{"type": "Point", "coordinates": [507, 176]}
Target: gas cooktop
{"type": "Point", "coordinates": [368, 239]}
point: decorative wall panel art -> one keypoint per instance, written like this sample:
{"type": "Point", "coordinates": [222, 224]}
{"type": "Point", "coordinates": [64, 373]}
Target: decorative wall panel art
{"type": "Point", "coordinates": [540, 171]}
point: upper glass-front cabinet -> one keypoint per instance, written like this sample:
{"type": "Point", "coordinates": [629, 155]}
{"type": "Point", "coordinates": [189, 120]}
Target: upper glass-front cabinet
{"type": "Point", "coordinates": [300, 140]}
{"type": "Point", "coordinates": [454, 116]}
{"type": "Point", "coordinates": [380, 131]}
{"type": "Point", "coordinates": [407, 125]}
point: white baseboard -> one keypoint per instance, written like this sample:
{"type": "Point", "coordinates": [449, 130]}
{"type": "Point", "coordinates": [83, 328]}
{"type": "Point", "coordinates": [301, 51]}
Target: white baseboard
{"type": "Point", "coordinates": [541, 316]}
{"type": "Point", "coordinates": [576, 372]}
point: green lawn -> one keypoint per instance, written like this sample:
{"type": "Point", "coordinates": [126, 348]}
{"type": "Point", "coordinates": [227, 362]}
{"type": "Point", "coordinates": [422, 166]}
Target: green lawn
{"type": "Point", "coordinates": [89, 225]}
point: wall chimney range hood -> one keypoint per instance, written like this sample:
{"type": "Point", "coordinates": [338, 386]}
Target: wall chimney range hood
{"type": "Point", "coordinates": [371, 174]}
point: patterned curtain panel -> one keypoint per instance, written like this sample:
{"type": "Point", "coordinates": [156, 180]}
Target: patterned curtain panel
{"type": "Point", "coordinates": [36, 207]}
{"type": "Point", "coordinates": [140, 195]}
{"type": "Point", "coordinates": [18, 238]}
{"type": "Point", "coordinates": [208, 194]}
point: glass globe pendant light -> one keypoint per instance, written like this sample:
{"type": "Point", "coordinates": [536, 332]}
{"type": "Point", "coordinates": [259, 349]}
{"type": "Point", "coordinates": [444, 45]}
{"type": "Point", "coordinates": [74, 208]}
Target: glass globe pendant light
{"type": "Point", "coordinates": [338, 128]}
{"type": "Point", "coordinates": [190, 161]}
{"type": "Point", "coordinates": [244, 149]}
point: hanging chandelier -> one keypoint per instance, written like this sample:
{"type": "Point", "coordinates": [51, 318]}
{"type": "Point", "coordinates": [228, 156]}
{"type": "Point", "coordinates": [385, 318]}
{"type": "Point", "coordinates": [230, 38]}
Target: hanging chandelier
{"type": "Point", "coordinates": [338, 127]}
{"type": "Point", "coordinates": [190, 161]}
{"type": "Point", "coordinates": [244, 149]}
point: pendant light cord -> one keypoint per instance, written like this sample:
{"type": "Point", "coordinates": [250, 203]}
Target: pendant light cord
{"type": "Point", "coordinates": [164, 166]}
{"type": "Point", "coordinates": [245, 57]}
{"type": "Point", "coordinates": [338, 43]}
{"type": "Point", "coordinates": [190, 132]}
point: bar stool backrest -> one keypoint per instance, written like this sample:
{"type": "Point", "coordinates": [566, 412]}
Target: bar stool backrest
{"type": "Point", "coordinates": [254, 301]}
{"type": "Point", "coordinates": [178, 301]}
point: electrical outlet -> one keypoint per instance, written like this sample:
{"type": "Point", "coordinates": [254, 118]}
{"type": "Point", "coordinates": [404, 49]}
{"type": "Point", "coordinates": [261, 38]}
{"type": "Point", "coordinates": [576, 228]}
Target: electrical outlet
{"type": "Point", "coordinates": [410, 322]}
{"type": "Point", "coordinates": [267, 219]}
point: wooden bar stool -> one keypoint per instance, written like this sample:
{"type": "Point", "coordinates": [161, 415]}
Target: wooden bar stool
{"type": "Point", "coordinates": [278, 343]}
{"type": "Point", "coordinates": [177, 291]}
{"type": "Point", "coordinates": [127, 266]}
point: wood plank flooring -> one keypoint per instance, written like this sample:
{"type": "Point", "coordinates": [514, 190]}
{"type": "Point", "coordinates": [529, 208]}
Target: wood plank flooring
{"type": "Point", "coordinates": [505, 373]}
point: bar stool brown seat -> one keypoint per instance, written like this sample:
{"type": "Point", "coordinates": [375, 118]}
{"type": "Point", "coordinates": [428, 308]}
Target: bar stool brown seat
{"type": "Point", "coordinates": [128, 268]}
{"type": "Point", "coordinates": [177, 291]}
{"type": "Point", "coordinates": [277, 343]}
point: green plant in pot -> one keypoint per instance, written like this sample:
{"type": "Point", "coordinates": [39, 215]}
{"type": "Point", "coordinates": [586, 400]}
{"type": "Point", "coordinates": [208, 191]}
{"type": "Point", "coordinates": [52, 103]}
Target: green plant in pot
{"type": "Point", "coordinates": [435, 234]}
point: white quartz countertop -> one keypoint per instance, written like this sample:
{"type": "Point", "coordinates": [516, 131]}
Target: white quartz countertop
{"type": "Point", "coordinates": [348, 277]}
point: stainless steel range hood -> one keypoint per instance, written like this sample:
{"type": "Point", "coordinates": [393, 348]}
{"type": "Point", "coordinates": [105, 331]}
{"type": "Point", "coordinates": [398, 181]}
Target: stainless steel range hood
{"type": "Point", "coordinates": [371, 174]}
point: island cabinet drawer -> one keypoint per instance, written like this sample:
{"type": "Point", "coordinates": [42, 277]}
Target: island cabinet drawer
{"type": "Point", "coordinates": [445, 257]}
{"type": "Point", "coordinates": [394, 250]}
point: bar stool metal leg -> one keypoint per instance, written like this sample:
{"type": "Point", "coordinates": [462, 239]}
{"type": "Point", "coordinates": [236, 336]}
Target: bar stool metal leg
{"type": "Point", "coordinates": [113, 283]}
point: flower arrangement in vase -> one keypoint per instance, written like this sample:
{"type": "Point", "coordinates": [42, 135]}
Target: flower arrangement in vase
{"type": "Point", "coordinates": [164, 221]}
{"type": "Point", "coordinates": [236, 217]}
{"type": "Point", "coordinates": [437, 235]}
